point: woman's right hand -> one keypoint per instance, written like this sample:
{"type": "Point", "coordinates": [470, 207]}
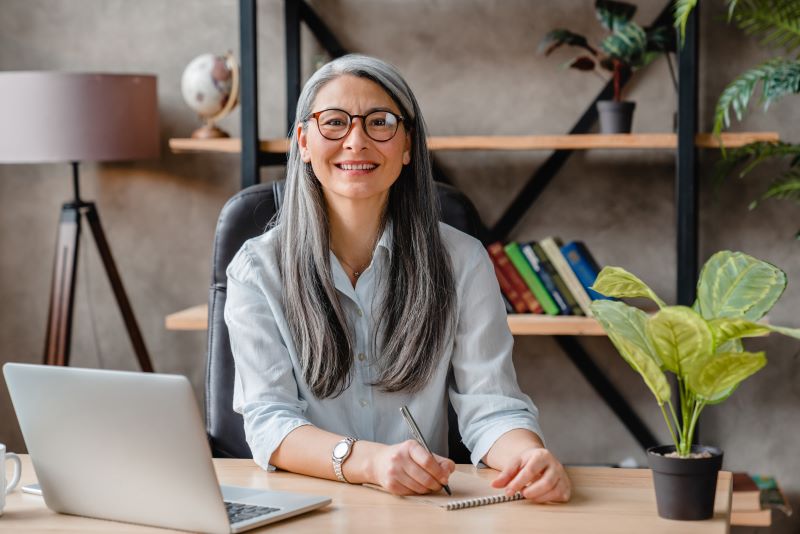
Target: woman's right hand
{"type": "Point", "coordinates": [408, 469]}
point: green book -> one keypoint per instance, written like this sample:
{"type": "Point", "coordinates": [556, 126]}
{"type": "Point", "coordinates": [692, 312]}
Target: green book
{"type": "Point", "coordinates": [526, 272]}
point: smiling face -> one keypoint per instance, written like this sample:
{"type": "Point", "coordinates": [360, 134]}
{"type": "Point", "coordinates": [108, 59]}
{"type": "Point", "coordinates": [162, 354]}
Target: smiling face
{"type": "Point", "coordinates": [355, 167]}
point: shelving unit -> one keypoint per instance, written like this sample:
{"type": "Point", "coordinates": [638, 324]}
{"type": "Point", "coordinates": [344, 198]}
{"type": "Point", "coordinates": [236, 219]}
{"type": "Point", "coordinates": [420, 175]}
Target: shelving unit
{"type": "Point", "coordinates": [653, 141]}
{"type": "Point", "coordinates": [256, 153]}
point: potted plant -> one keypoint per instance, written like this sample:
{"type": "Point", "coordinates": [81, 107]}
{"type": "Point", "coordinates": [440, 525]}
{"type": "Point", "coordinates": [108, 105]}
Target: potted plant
{"type": "Point", "coordinates": [702, 346]}
{"type": "Point", "coordinates": [627, 47]}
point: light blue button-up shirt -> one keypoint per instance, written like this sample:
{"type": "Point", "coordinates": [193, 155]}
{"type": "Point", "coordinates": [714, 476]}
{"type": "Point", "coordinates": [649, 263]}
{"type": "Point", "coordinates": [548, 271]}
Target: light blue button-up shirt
{"type": "Point", "coordinates": [273, 398]}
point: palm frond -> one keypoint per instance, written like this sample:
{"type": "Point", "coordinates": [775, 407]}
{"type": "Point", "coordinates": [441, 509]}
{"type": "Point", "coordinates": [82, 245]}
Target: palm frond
{"type": "Point", "coordinates": [785, 187]}
{"type": "Point", "coordinates": [778, 78]}
{"type": "Point", "coordinates": [775, 22]}
{"type": "Point", "coordinates": [748, 157]}
{"type": "Point", "coordinates": [683, 8]}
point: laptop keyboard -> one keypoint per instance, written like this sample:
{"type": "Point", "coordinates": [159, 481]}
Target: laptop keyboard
{"type": "Point", "coordinates": [242, 512]}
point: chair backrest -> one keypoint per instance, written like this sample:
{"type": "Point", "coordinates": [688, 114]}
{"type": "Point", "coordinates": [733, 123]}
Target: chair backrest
{"type": "Point", "coordinates": [245, 216]}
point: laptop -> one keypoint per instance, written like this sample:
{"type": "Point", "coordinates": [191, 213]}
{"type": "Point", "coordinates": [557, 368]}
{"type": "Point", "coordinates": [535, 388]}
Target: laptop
{"type": "Point", "coordinates": [131, 447]}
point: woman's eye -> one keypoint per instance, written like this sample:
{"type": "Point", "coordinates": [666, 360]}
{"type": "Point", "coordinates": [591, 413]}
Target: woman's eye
{"type": "Point", "coordinates": [378, 122]}
{"type": "Point", "coordinates": [334, 122]}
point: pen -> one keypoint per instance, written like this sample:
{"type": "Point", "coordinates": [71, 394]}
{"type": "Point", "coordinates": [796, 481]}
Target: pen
{"type": "Point", "coordinates": [418, 436]}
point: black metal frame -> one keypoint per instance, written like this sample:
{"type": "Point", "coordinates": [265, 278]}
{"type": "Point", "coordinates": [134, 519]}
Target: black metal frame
{"type": "Point", "coordinates": [297, 11]}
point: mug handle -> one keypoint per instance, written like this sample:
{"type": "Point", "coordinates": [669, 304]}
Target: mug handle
{"type": "Point", "coordinates": [17, 471]}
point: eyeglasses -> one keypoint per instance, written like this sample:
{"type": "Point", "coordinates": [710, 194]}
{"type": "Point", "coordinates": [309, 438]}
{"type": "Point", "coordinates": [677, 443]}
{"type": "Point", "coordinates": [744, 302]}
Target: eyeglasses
{"type": "Point", "coordinates": [335, 124]}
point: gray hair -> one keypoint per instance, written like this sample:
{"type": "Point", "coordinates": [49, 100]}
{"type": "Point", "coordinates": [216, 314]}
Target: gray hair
{"type": "Point", "coordinates": [417, 311]}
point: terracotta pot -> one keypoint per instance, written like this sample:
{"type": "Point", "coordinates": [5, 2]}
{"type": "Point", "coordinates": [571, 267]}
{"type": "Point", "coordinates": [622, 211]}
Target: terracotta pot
{"type": "Point", "coordinates": [685, 487]}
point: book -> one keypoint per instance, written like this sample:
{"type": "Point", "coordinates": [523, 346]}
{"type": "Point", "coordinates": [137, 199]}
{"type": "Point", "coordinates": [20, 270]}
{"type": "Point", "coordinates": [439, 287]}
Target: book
{"type": "Point", "coordinates": [561, 287]}
{"type": "Point", "coordinates": [552, 248]}
{"type": "Point", "coordinates": [583, 265]}
{"type": "Point", "coordinates": [502, 262]}
{"type": "Point", "coordinates": [544, 277]}
{"type": "Point", "coordinates": [510, 295]}
{"type": "Point", "coordinates": [524, 269]}
{"type": "Point", "coordinates": [468, 490]}
{"type": "Point", "coordinates": [746, 495]}
{"type": "Point", "coordinates": [771, 494]}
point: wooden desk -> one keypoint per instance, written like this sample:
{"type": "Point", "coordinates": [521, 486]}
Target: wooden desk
{"type": "Point", "coordinates": [609, 500]}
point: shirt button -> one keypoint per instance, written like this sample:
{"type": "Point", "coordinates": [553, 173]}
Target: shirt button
{"type": "Point", "coordinates": [362, 356]}
{"type": "Point", "coordinates": [363, 403]}
{"type": "Point", "coordinates": [359, 312]}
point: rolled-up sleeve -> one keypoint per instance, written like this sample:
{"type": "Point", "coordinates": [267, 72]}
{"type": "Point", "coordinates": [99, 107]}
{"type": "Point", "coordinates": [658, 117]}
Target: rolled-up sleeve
{"type": "Point", "coordinates": [485, 393]}
{"type": "Point", "coordinates": [265, 388]}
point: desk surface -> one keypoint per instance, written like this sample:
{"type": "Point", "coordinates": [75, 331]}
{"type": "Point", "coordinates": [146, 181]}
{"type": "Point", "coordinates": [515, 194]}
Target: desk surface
{"type": "Point", "coordinates": [604, 500]}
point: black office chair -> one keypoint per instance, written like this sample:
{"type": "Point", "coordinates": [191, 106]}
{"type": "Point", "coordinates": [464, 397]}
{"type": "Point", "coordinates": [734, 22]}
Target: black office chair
{"type": "Point", "coordinates": [244, 216]}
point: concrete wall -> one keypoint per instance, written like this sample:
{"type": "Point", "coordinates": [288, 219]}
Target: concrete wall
{"type": "Point", "coordinates": [475, 71]}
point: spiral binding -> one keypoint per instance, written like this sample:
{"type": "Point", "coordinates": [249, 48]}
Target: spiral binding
{"type": "Point", "coordinates": [481, 501]}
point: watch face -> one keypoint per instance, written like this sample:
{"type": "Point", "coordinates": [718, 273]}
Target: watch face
{"type": "Point", "coordinates": [340, 450]}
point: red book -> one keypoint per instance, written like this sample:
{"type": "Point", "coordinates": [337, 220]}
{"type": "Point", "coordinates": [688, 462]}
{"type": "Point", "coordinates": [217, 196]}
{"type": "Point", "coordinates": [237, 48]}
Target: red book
{"type": "Point", "coordinates": [508, 290]}
{"type": "Point", "coordinates": [502, 264]}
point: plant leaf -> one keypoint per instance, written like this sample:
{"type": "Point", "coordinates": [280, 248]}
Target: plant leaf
{"type": "Point", "coordinates": [683, 8]}
{"type": "Point", "coordinates": [778, 77]}
{"type": "Point", "coordinates": [619, 283]}
{"type": "Point", "coordinates": [654, 378]}
{"type": "Point", "coordinates": [560, 37]}
{"type": "Point", "coordinates": [681, 338]}
{"type": "Point", "coordinates": [726, 329]}
{"type": "Point", "coordinates": [627, 44]}
{"type": "Point", "coordinates": [582, 63]}
{"type": "Point", "coordinates": [613, 15]}
{"type": "Point", "coordinates": [733, 284]}
{"type": "Point", "coordinates": [725, 371]}
{"type": "Point", "coordinates": [776, 22]}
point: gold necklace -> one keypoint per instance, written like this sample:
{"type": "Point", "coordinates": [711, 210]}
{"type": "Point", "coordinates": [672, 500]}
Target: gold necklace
{"type": "Point", "coordinates": [359, 272]}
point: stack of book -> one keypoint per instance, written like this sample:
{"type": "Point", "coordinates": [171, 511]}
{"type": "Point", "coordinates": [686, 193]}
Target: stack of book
{"type": "Point", "coordinates": [753, 500]}
{"type": "Point", "coordinates": [546, 277]}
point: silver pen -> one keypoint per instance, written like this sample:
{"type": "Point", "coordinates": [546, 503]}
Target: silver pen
{"type": "Point", "coordinates": [418, 436]}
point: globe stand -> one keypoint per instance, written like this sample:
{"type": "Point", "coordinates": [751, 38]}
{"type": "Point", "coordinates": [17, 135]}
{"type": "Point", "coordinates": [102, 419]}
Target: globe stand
{"type": "Point", "coordinates": [209, 131]}
{"type": "Point", "coordinates": [62, 290]}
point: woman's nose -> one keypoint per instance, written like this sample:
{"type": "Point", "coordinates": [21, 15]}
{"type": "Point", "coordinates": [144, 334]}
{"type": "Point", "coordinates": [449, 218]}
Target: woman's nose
{"type": "Point", "coordinates": [356, 138]}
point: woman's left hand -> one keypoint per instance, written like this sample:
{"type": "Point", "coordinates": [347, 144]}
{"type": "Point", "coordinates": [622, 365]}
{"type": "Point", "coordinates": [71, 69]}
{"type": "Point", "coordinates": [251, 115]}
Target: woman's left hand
{"type": "Point", "coordinates": [537, 474]}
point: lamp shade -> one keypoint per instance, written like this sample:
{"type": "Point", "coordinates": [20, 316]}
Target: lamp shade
{"type": "Point", "coordinates": [62, 117]}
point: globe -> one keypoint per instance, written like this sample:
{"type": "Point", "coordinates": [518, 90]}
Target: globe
{"type": "Point", "coordinates": [210, 86]}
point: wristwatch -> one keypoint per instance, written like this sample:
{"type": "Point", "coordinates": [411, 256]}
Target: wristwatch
{"type": "Point", "coordinates": [340, 453]}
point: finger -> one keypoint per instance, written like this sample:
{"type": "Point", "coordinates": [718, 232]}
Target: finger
{"type": "Point", "coordinates": [423, 477]}
{"type": "Point", "coordinates": [533, 470]}
{"type": "Point", "coordinates": [542, 486]}
{"type": "Point", "coordinates": [447, 464]}
{"type": "Point", "coordinates": [427, 462]}
{"type": "Point", "coordinates": [560, 493]}
{"type": "Point", "coordinates": [507, 473]}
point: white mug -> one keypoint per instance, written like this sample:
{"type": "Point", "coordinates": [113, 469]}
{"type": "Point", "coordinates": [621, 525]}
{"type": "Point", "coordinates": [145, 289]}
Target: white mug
{"type": "Point", "coordinates": [4, 489]}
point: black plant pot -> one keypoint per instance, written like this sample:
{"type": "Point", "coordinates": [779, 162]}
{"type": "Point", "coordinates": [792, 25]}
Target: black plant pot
{"type": "Point", "coordinates": [685, 487]}
{"type": "Point", "coordinates": [615, 117]}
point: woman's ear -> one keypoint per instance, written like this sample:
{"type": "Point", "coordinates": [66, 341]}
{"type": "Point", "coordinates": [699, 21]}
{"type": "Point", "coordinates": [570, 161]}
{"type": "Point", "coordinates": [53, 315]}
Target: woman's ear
{"type": "Point", "coordinates": [407, 150]}
{"type": "Point", "coordinates": [302, 142]}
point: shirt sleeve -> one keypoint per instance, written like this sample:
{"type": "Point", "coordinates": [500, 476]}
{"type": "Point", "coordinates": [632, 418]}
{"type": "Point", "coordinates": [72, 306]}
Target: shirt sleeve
{"type": "Point", "coordinates": [484, 392]}
{"type": "Point", "coordinates": [265, 388]}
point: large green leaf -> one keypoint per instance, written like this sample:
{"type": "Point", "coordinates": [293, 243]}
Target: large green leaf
{"type": "Point", "coordinates": [729, 328]}
{"type": "Point", "coordinates": [627, 44]}
{"type": "Point", "coordinates": [733, 284]}
{"type": "Point", "coordinates": [614, 15]}
{"type": "Point", "coordinates": [620, 320]}
{"type": "Point", "coordinates": [618, 283]}
{"type": "Point", "coordinates": [681, 338]}
{"type": "Point", "coordinates": [646, 366]}
{"type": "Point", "coordinates": [725, 371]}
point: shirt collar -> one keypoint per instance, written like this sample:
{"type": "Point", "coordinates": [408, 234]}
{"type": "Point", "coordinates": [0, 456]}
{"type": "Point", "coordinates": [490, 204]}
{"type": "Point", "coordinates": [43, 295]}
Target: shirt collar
{"type": "Point", "coordinates": [386, 239]}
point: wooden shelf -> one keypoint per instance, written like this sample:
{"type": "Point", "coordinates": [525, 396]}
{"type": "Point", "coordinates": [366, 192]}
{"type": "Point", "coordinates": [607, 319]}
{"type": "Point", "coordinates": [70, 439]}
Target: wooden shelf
{"type": "Point", "coordinates": [196, 318]}
{"type": "Point", "coordinates": [665, 141]}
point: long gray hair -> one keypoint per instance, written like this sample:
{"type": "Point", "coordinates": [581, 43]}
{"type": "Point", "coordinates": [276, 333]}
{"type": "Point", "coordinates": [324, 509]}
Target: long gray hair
{"type": "Point", "coordinates": [417, 312]}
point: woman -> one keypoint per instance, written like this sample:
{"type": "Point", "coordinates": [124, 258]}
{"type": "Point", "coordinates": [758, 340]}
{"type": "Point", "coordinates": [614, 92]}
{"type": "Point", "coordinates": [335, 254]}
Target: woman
{"type": "Point", "coordinates": [359, 301]}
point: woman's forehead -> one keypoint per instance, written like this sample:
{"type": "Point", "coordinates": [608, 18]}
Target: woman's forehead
{"type": "Point", "coordinates": [353, 94]}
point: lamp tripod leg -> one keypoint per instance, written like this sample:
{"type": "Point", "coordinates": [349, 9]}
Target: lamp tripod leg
{"type": "Point", "coordinates": [119, 291]}
{"type": "Point", "coordinates": [62, 289]}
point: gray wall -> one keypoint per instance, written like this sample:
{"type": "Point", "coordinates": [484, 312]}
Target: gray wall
{"type": "Point", "coordinates": [474, 69]}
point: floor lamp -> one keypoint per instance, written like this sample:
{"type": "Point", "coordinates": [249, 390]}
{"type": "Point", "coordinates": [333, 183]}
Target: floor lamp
{"type": "Point", "coordinates": [71, 118]}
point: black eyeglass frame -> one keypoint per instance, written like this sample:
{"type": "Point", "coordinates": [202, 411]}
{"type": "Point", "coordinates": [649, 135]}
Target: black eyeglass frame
{"type": "Point", "coordinates": [315, 116]}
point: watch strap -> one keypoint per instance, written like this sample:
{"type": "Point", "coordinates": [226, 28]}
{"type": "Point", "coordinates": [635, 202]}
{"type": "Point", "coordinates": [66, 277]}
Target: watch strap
{"type": "Point", "coordinates": [337, 462]}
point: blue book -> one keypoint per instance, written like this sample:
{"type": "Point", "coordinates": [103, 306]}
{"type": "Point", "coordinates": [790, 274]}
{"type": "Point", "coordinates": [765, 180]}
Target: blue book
{"type": "Point", "coordinates": [584, 266]}
{"type": "Point", "coordinates": [544, 276]}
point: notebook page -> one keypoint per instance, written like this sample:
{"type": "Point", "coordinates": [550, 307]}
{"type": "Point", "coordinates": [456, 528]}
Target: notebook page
{"type": "Point", "coordinates": [468, 491]}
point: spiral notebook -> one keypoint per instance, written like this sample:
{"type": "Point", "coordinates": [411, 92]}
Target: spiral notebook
{"type": "Point", "coordinates": [468, 492]}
